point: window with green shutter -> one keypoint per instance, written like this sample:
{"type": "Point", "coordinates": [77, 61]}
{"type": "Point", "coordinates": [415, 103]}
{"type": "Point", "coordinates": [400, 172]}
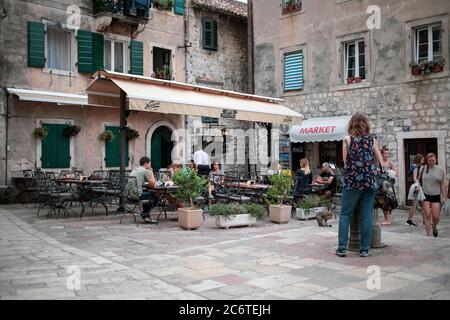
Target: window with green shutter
{"type": "Point", "coordinates": [112, 158]}
{"type": "Point", "coordinates": [178, 7]}
{"type": "Point", "coordinates": [55, 148]}
{"type": "Point", "coordinates": [137, 57]}
{"type": "Point", "coordinates": [36, 44]}
{"type": "Point", "coordinates": [209, 34]}
{"type": "Point", "coordinates": [90, 51]}
{"type": "Point", "coordinates": [293, 71]}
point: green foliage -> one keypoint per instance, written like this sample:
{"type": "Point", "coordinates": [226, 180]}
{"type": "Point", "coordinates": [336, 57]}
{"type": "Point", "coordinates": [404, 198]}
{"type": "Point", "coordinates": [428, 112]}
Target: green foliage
{"type": "Point", "coordinates": [107, 136]}
{"type": "Point", "coordinates": [40, 133]}
{"type": "Point", "coordinates": [132, 134]}
{"type": "Point", "coordinates": [281, 184]}
{"type": "Point", "coordinates": [309, 202]}
{"type": "Point", "coordinates": [71, 130]}
{"type": "Point", "coordinates": [190, 185]}
{"type": "Point", "coordinates": [255, 210]}
{"type": "Point", "coordinates": [163, 4]}
{"type": "Point", "coordinates": [325, 202]}
{"type": "Point", "coordinates": [229, 210]}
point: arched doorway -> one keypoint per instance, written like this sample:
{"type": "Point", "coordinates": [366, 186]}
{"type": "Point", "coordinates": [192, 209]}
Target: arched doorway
{"type": "Point", "coordinates": [161, 148]}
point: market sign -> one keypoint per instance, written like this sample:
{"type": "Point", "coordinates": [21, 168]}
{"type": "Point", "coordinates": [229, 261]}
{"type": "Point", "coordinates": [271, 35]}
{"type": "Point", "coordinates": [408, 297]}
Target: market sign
{"type": "Point", "coordinates": [320, 129]}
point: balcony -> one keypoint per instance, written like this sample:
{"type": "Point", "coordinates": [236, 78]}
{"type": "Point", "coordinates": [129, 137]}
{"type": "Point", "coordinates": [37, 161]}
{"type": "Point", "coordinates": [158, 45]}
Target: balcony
{"type": "Point", "coordinates": [129, 12]}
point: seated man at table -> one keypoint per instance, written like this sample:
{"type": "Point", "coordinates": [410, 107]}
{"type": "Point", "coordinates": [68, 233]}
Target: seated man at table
{"type": "Point", "coordinates": [327, 179]}
{"type": "Point", "coordinates": [144, 173]}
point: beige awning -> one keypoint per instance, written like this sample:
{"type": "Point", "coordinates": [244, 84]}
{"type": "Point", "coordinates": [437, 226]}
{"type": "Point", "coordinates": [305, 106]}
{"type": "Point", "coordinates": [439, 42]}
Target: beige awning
{"type": "Point", "coordinates": [170, 97]}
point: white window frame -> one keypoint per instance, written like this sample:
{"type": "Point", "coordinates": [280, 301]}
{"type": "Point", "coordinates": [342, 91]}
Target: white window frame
{"type": "Point", "coordinates": [430, 41]}
{"type": "Point", "coordinates": [72, 72]}
{"type": "Point", "coordinates": [124, 54]}
{"type": "Point", "coordinates": [346, 57]}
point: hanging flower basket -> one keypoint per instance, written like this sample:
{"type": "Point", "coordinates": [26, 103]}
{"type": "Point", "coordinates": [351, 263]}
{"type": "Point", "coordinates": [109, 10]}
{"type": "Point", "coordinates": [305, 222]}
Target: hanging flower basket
{"type": "Point", "coordinates": [107, 136]}
{"type": "Point", "coordinates": [40, 133]}
{"type": "Point", "coordinates": [71, 131]}
{"type": "Point", "coordinates": [132, 134]}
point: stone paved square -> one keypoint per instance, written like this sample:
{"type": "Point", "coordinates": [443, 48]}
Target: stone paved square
{"type": "Point", "coordinates": [165, 262]}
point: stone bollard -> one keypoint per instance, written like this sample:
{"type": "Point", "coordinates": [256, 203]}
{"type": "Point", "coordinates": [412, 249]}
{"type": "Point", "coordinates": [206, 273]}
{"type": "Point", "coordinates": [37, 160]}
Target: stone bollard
{"type": "Point", "coordinates": [355, 233]}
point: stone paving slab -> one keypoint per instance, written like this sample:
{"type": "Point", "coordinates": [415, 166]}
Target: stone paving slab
{"type": "Point", "coordinates": [266, 261]}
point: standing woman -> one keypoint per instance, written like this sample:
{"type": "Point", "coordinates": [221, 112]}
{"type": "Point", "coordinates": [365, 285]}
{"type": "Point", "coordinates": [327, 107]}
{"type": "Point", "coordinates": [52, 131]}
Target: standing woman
{"type": "Point", "coordinates": [387, 165]}
{"type": "Point", "coordinates": [418, 161]}
{"type": "Point", "coordinates": [361, 156]}
{"type": "Point", "coordinates": [433, 181]}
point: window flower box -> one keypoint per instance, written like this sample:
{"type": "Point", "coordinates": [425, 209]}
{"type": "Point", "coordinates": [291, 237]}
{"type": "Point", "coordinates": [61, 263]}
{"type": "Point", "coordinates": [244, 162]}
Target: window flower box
{"type": "Point", "coordinates": [291, 6]}
{"type": "Point", "coordinates": [350, 80]}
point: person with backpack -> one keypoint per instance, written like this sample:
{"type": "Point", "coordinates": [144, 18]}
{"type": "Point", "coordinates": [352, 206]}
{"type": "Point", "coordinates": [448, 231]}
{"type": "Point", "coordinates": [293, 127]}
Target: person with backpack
{"type": "Point", "coordinates": [413, 194]}
{"type": "Point", "coordinates": [361, 156]}
{"type": "Point", "coordinates": [432, 179]}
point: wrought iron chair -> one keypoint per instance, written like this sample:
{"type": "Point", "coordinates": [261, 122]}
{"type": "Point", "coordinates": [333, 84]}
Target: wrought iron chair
{"type": "Point", "coordinates": [56, 198]}
{"type": "Point", "coordinates": [131, 202]}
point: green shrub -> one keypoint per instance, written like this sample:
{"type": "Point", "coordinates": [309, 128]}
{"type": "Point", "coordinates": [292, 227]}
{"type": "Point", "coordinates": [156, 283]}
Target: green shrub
{"type": "Point", "coordinates": [226, 210]}
{"type": "Point", "coordinates": [309, 202]}
{"type": "Point", "coordinates": [281, 184]}
{"type": "Point", "coordinates": [40, 133]}
{"type": "Point", "coordinates": [190, 185]}
{"type": "Point", "coordinates": [255, 210]}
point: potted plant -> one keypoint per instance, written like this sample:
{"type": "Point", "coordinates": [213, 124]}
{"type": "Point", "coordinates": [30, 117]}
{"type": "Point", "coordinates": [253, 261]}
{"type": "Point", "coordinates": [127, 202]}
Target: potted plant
{"type": "Point", "coordinates": [190, 186]}
{"type": "Point", "coordinates": [40, 133]}
{"type": "Point", "coordinates": [163, 4]}
{"type": "Point", "coordinates": [357, 79]}
{"type": "Point", "coordinates": [234, 215]}
{"type": "Point", "coordinates": [350, 80]}
{"type": "Point", "coordinates": [132, 134]}
{"type": "Point", "coordinates": [71, 130]}
{"type": "Point", "coordinates": [425, 68]}
{"type": "Point", "coordinates": [107, 136]}
{"type": "Point", "coordinates": [415, 69]}
{"type": "Point", "coordinates": [276, 195]}
{"type": "Point", "coordinates": [306, 207]}
{"type": "Point", "coordinates": [438, 65]}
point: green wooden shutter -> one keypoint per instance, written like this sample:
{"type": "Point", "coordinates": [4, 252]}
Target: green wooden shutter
{"type": "Point", "coordinates": [55, 148]}
{"type": "Point", "coordinates": [293, 71]}
{"type": "Point", "coordinates": [112, 149]}
{"type": "Point", "coordinates": [179, 7]}
{"type": "Point", "coordinates": [90, 51]}
{"type": "Point", "coordinates": [137, 57]}
{"type": "Point", "coordinates": [209, 34]}
{"type": "Point", "coordinates": [36, 44]}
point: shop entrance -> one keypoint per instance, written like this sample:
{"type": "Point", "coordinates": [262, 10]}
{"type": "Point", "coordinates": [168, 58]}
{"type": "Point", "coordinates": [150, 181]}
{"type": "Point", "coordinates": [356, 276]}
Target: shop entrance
{"type": "Point", "coordinates": [161, 146]}
{"type": "Point", "coordinates": [298, 152]}
{"type": "Point", "coordinates": [413, 147]}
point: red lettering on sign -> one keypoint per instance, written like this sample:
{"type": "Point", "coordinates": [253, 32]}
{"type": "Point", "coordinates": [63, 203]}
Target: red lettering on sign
{"type": "Point", "coordinates": [321, 129]}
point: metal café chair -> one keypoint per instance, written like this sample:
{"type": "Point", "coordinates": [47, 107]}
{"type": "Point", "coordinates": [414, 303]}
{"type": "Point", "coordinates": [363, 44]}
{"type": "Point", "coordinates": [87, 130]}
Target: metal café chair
{"type": "Point", "coordinates": [131, 202]}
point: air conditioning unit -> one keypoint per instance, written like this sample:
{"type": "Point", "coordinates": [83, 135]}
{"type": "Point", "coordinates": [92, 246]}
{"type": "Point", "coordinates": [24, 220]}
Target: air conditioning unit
{"type": "Point", "coordinates": [285, 129]}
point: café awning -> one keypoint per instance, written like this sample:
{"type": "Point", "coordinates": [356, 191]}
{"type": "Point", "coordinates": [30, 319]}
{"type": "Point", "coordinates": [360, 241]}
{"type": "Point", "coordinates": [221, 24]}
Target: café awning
{"type": "Point", "coordinates": [171, 97]}
{"type": "Point", "coordinates": [49, 96]}
{"type": "Point", "coordinates": [320, 129]}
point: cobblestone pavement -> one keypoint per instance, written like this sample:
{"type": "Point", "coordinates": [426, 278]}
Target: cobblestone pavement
{"type": "Point", "coordinates": [266, 261]}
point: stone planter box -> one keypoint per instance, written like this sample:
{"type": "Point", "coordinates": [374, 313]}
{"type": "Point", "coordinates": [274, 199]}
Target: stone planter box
{"type": "Point", "coordinates": [303, 214]}
{"type": "Point", "coordinates": [280, 214]}
{"type": "Point", "coordinates": [238, 220]}
{"type": "Point", "coordinates": [189, 219]}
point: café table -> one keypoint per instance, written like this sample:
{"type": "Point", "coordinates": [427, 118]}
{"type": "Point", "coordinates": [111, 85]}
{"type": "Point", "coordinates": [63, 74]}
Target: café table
{"type": "Point", "coordinates": [163, 193]}
{"type": "Point", "coordinates": [83, 189]}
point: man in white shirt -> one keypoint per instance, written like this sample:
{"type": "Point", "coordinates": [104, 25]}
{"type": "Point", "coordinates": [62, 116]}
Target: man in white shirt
{"type": "Point", "coordinates": [202, 161]}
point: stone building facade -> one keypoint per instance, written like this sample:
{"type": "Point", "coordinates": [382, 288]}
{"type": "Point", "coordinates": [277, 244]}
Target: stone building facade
{"type": "Point", "coordinates": [409, 113]}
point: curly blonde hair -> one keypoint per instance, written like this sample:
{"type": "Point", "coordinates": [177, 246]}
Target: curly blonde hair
{"type": "Point", "coordinates": [359, 125]}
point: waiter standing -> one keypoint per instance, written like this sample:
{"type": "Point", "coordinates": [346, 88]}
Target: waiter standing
{"type": "Point", "coordinates": [202, 161]}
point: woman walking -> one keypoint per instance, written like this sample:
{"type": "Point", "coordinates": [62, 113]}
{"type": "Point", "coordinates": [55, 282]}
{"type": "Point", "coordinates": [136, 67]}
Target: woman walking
{"type": "Point", "coordinates": [432, 179]}
{"type": "Point", "coordinates": [388, 167]}
{"type": "Point", "coordinates": [414, 172]}
{"type": "Point", "coordinates": [361, 156]}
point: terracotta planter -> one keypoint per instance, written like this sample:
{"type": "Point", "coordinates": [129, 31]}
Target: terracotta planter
{"type": "Point", "coordinates": [349, 80]}
{"type": "Point", "coordinates": [280, 214]}
{"type": "Point", "coordinates": [415, 70]}
{"type": "Point", "coordinates": [357, 79]}
{"type": "Point", "coordinates": [437, 68]}
{"type": "Point", "coordinates": [189, 219]}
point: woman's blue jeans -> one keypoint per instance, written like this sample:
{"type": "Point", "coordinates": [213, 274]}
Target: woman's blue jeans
{"type": "Point", "coordinates": [361, 201]}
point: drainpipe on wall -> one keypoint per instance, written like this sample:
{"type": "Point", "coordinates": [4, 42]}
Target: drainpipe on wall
{"type": "Point", "coordinates": [187, 152]}
{"type": "Point", "coordinates": [250, 47]}
{"type": "Point", "coordinates": [6, 136]}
